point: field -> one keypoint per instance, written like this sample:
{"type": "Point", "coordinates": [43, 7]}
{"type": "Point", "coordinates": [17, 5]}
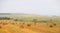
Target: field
{"type": "Point", "coordinates": [30, 24]}
{"type": "Point", "coordinates": [10, 26]}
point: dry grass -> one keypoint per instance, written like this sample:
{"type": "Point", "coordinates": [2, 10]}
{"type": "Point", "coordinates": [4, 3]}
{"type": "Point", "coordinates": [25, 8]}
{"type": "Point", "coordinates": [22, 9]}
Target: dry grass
{"type": "Point", "coordinates": [10, 26]}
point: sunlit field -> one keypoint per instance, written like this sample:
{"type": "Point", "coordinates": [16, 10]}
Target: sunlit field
{"type": "Point", "coordinates": [8, 25]}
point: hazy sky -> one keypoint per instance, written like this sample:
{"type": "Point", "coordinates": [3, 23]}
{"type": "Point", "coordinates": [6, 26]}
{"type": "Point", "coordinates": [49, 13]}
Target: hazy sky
{"type": "Point", "coordinates": [41, 7]}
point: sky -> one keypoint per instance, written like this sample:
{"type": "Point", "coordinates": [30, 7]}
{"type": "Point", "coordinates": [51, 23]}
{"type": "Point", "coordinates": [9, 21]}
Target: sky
{"type": "Point", "coordinates": [39, 7]}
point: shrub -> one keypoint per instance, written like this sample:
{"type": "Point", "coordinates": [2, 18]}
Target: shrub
{"type": "Point", "coordinates": [5, 23]}
{"type": "Point", "coordinates": [0, 26]}
{"type": "Point", "coordinates": [54, 24]}
{"type": "Point", "coordinates": [28, 25]}
{"type": "Point", "coordinates": [51, 26]}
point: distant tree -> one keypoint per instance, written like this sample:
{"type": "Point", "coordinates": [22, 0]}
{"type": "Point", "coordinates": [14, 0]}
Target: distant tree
{"type": "Point", "coordinates": [35, 21]}
{"type": "Point", "coordinates": [21, 20]}
{"type": "Point", "coordinates": [16, 20]}
{"type": "Point", "coordinates": [5, 18]}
